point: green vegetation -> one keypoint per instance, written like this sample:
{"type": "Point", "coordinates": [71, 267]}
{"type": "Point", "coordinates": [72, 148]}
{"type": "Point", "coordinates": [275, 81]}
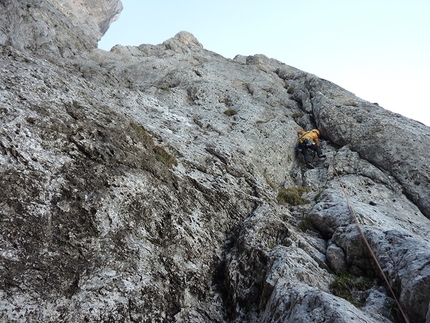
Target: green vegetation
{"type": "Point", "coordinates": [269, 181]}
{"type": "Point", "coordinates": [351, 102]}
{"type": "Point", "coordinates": [164, 87]}
{"type": "Point", "coordinates": [160, 153]}
{"type": "Point", "coordinates": [77, 105]}
{"type": "Point", "coordinates": [392, 308]}
{"type": "Point", "coordinates": [292, 195]}
{"type": "Point", "coordinates": [346, 284]}
{"type": "Point", "coordinates": [290, 89]}
{"type": "Point", "coordinates": [230, 112]}
{"type": "Point", "coordinates": [305, 225]}
{"type": "Point", "coordinates": [297, 115]}
{"type": "Point", "coordinates": [163, 156]}
{"type": "Point", "coordinates": [147, 139]}
{"type": "Point", "coordinates": [318, 195]}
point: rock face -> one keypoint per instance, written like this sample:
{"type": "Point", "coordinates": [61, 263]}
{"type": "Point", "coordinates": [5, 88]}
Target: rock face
{"type": "Point", "coordinates": [65, 27]}
{"type": "Point", "coordinates": [160, 183]}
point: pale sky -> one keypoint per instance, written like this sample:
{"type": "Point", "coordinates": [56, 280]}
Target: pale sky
{"type": "Point", "coordinates": [377, 49]}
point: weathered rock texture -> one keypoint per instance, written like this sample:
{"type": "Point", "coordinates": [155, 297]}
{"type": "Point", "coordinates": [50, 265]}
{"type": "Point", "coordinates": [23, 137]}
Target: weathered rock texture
{"type": "Point", "coordinates": [147, 184]}
{"type": "Point", "coordinates": [65, 27]}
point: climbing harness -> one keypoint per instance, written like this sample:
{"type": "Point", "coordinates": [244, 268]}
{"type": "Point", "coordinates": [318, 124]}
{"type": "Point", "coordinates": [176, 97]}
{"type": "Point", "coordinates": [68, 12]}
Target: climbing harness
{"type": "Point", "coordinates": [354, 217]}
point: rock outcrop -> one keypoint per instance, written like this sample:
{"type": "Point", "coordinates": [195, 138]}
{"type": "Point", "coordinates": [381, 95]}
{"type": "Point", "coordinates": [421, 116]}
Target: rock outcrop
{"type": "Point", "coordinates": [65, 27]}
{"type": "Point", "coordinates": [160, 183]}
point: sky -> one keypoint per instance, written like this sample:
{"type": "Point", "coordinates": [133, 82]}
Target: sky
{"type": "Point", "coordinates": [377, 49]}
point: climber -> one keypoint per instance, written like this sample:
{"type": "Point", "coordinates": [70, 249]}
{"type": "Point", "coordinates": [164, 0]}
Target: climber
{"type": "Point", "coordinates": [309, 140]}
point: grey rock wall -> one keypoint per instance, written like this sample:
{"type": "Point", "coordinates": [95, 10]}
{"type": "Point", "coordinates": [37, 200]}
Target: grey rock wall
{"type": "Point", "coordinates": [142, 185]}
{"type": "Point", "coordinates": [383, 138]}
{"type": "Point", "coordinates": [56, 27]}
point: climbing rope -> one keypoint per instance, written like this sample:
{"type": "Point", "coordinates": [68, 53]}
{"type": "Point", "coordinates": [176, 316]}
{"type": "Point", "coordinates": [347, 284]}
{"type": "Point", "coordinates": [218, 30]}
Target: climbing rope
{"type": "Point", "coordinates": [354, 217]}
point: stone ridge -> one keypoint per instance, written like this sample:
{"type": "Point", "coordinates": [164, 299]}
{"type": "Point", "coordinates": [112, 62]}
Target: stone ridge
{"type": "Point", "coordinates": [160, 183]}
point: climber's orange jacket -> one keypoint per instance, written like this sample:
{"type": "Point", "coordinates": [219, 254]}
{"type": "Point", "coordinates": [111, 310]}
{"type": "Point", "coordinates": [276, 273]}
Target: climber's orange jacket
{"type": "Point", "coordinates": [312, 135]}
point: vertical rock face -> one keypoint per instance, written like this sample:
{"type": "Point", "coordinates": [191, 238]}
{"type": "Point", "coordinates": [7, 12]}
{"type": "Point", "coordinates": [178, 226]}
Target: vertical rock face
{"type": "Point", "coordinates": [95, 15]}
{"type": "Point", "coordinates": [160, 183]}
{"type": "Point", "coordinates": [56, 27]}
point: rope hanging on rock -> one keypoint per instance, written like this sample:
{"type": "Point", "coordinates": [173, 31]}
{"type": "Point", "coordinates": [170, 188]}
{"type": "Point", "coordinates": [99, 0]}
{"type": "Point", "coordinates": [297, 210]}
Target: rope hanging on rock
{"type": "Point", "coordinates": [354, 217]}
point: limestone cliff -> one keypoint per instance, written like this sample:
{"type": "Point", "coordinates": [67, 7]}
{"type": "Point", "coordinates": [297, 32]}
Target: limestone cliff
{"type": "Point", "coordinates": [160, 183]}
{"type": "Point", "coordinates": [65, 27]}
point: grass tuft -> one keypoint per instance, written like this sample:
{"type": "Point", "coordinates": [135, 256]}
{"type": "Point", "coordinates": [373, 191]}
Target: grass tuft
{"type": "Point", "coordinates": [160, 153]}
{"type": "Point", "coordinates": [305, 225]}
{"type": "Point", "coordinates": [292, 195]}
{"type": "Point", "coordinates": [345, 285]}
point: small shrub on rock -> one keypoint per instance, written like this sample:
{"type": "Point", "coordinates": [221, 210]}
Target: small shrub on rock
{"type": "Point", "coordinates": [348, 287]}
{"type": "Point", "coordinates": [305, 225]}
{"type": "Point", "coordinates": [297, 115]}
{"type": "Point", "coordinates": [230, 112]}
{"type": "Point", "coordinates": [292, 195]}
